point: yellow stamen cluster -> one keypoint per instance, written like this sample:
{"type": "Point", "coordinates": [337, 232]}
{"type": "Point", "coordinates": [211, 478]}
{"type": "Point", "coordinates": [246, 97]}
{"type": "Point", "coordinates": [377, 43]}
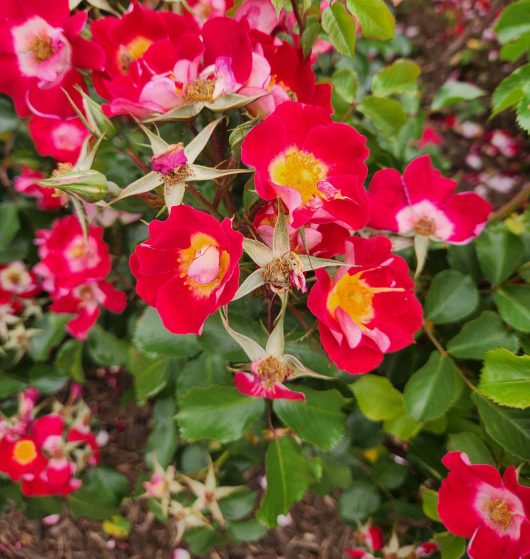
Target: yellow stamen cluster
{"type": "Point", "coordinates": [425, 226]}
{"type": "Point", "coordinates": [271, 371]}
{"type": "Point", "coordinates": [41, 48]}
{"type": "Point", "coordinates": [24, 452]}
{"type": "Point", "coordinates": [499, 513]}
{"type": "Point", "coordinates": [200, 91]}
{"type": "Point", "coordinates": [299, 170]}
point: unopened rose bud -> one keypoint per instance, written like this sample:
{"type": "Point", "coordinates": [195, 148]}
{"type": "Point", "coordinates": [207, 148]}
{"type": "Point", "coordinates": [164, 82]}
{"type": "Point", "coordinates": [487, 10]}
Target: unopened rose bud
{"type": "Point", "coordinates": [169, 160]}
{"type": "Point", "coordinates": [180, 553]}
{"type": "Point", "coordinates": [90, 185]}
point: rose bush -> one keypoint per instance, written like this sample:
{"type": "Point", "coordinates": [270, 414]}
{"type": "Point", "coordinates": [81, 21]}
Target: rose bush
{"type": "Point", "coordinates": [243, 217]}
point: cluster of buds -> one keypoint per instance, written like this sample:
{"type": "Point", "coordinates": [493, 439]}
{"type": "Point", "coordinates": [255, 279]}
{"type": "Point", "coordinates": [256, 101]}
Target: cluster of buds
{"type": "Point", "coordinates": [47, 453]}
{"type": "Point", "coordinates": [370, 544]}
{"type": "Point", "coordinates": [187, 503]}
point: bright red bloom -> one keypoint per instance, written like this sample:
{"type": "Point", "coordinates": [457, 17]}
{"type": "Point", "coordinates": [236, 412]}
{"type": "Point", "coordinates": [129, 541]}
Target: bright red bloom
{"type": "Point", "coordinates": [374, 537]}
{"type": "Point", "coordinates": [325, 240]}
{"type": "Point", "coordinates": [316, 166]}
{"type": "Point", "coordinates": [159, 60]}
{"type": "Point", "coordinates": [41, 45]}
{"type": "Point", "coordinates": [422, 202]}
{"type": "Point", "coordinates": [282, 71]}
{"type": "Point", "coordinates": [429, 137]}
{"type": "Point", "coordinates": [476, 502]}
{"type": "Point", "coordinates": [21, 457]}
{"type": "Point", "coordinates": [69, 258]}
{"type": "Point", "coordinates": [367, 310]}
{"type": "Point", "coordinates": [59, 138]}
{"type": "Point", "coordinates": [426, 549]}
{"type": "Point", "coordinates": [189, 261]}
{"type": "Point", "coordinates": [84, 301]}
{"type": "Point", "coordinates": [47, 198]}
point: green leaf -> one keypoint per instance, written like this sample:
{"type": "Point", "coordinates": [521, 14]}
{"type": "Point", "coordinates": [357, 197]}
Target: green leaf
{"type": "Point", "coordinates": [9, 224]}
{"type": "Point", "coordinates": [429, 503]}
{"type": "Point", "coordinates": [377, 22]}
{"type": "Point", "coordinates": [310, 34]}
{"type": "Point", "coordinates": [507, 427]}
{"type": "Point", "coordinates": [451, 297]}
{"type": "Point", "coordinates": [318, 420]}
{"type": "Point", "coordinates": [403, 426]}
{"type": "Point", "coordinates": [499, 252]}
{"type": "Point", "coordinates": [454, 92]}
{"type": "Point", "coordinates": [106, 349]}
{"type": "Point", "coordinates": [341, 28]}
{"type": "Point", "coordinates": [52, 332]}
{"type": "Point", "coordinates": [511, 90]}
{"type": "Point", "coordinates": [514, 50]}
{"type": "Point", "coordinates": [217, 412]}
{"type": "Point", "coordinates": [247, 530]}
{"type": "Point", "coordinates": [345, 84]}
{"type": "Point", "coordinates": [377, 398]}
{"type": "Point", "coordinates": [386, 114]}
{"type": "Point", "coordinates": [400, 77]}
{"type": "Point", "coordinates": [513, 303]}
{"type": "Point", "coordinates": [205, 370]}
{"type": "Point", "coordinates": [238, 505]}
{"type": "Point", "coordinates": [289, 474]}
{"type": "Point", "coordinates": [150, 372]}
{"type": "Point", "coordinates": [151, 336]}
{"type": "Point", "coordinates": [451, 547]}
{"type": "Point", "coordinates": [472, 445]}
{"type": "Point", "coordinates": [513, 22]}
{"type": "Point", "coordinates": [359, 501]}
{"type": "Point", "coordinates": [433, 389]}
{"type": "Point", "coordinates": [505, 379]}
{"type": "Point", "coordinates": [100, 495]}
{"type": "Point", "coordinates": [162, 442]}
{"type": "Point", "coordinates": [69, 360]}
{"type": "Point", "coordinates": [480, 335]}
{"type": "Point", "coordinates": [10, 385]}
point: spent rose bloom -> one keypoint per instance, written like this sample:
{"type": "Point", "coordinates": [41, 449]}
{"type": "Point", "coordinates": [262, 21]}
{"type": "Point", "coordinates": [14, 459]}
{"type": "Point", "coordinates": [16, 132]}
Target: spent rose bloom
{"type": "Point", "coordinates": [368, 309]}
{"type": "Point", "coordinates": [422, 202]}
{"type": "Point", "coordinates": [41, 46]}
{"type": "Point", "coordinates": [476, 502]}
{"type": "Point", "coordinates": [189, 261]}
{"type": "Point", "coordinates": [315, 166]}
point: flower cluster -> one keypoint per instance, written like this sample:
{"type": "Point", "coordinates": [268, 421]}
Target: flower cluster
{"type": "Point", "coordinates": [72, 268]}
{"type": "Point", "coordinates": [186, 502]}
{"type": "Point", "coordinates": [47, 453]}
{"type": "Point", "coordinates": [371, 544]}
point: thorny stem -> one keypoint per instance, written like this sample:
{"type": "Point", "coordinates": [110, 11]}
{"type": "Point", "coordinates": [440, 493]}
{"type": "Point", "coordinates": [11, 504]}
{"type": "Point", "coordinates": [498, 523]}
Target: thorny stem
{"type": "Point", "coordinates": [427, 326]}
{"type": "Point", "coordinates": [202, 200]}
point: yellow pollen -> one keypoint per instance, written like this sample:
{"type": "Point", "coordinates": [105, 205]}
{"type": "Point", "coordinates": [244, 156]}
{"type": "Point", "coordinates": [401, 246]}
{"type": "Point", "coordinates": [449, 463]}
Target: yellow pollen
{"type": "Point", "coordinates": [200, 90]}
{"type": "Point", "coordinates": [271, 371]}
{"type": "Point", "coordinates": [425, 226]}
{"type": "Point", "coordinates": [132, 51]}
{"type": "Point", "coordinates": [187, 256]}
{"type": "Point", "coordinates": [14, 277]}
{"type": "Point", "coordinates": [353, 295]}
{"type": "Point", "coordinates": [24, 452]}
{"type": "Point", "coordinates": [499, 513]}
{"type": "Point", "coordinates": [177, 175]}
{"type": "Point", "coordinates": [299, 170]}
{"type": "Point", "coordinates": [41, 48]}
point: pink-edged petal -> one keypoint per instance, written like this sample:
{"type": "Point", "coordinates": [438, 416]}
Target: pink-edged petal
{"type": "Point", "coordinates": [424, 182]}
{"type": "Point", "coordinates": [249, 384]}
{"type": "Point", "coordinates": [387, 198]}
{"type": "Point", "coordinates": [469, 214]}
{"type": "Point", "coordinates": [486, 543]}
